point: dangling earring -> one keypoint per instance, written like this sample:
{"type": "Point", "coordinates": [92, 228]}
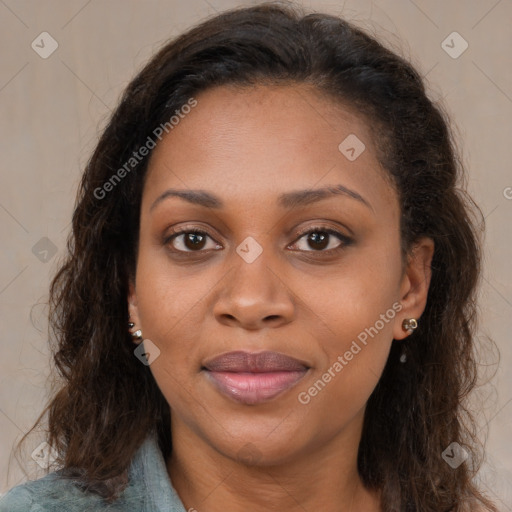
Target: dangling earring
{"type": "Point", "coordinates": [408, 325]}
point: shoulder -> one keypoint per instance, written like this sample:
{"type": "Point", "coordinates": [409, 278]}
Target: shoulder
{"type": "Point", "coordinates": [18, 499]}
{"type": "Point", "coordinates": [30, 496]}
{"type": "Point", "coordinates": [54, 493]}
{"type": "Point", "coordinates": [149, 489]}
{"type": "Point", "coordinates": [49, 493]}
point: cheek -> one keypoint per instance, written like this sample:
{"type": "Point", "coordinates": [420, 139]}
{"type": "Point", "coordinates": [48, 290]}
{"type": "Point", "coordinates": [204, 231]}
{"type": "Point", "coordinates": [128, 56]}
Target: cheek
{"type": "Point", "coordinates": [169, 303]}
{"type": "Point", "coordinates": [168, 295]}
{"type": "Point", "coordinates": [355, 300]}
{"type": "Point", "coordinates": [359, 313]}
{"type": "Point", "coordinates": [167, 312]}
{"type": "Point", "coordinates": [351, 318]}
{"type": "Point", "coordinates": [354, 351]}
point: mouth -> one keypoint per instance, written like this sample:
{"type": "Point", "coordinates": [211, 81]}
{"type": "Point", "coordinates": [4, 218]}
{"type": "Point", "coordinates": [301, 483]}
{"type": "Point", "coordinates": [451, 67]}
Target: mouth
{"type": "Point", "coordinates": [253, 378]}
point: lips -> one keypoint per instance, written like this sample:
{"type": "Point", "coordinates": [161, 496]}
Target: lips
{"type": "Point", "coordinates": [253, 378]}
{"type": "Point", "coordinates": [261, 362]}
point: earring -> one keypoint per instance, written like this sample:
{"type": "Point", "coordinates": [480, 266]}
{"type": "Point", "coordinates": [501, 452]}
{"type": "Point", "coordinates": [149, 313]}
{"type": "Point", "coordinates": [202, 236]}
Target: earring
{"type": "Point", "coordinates": [409, 324]}
{"type": "Point", "coordinates": [137, 335]}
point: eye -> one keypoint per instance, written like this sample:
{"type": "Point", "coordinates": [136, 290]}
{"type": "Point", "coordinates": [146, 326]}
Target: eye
{"type": "Point", "coordinates": [318, 239]}
{"type": "Point", "coordinates": [322, 239]}
{"type": "Point", "coordinates": [190, 240]}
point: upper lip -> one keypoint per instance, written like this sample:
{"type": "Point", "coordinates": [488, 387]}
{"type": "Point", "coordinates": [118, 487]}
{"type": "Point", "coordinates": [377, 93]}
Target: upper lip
{"type": "Point", "coordinates": [259, 362]}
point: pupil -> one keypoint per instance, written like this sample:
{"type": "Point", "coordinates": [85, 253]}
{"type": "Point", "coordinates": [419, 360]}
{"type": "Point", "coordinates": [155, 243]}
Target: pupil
{"type": "Point", "coordinates": [317, 237]}
{"type": "Point", "coordinates": [192, 239]}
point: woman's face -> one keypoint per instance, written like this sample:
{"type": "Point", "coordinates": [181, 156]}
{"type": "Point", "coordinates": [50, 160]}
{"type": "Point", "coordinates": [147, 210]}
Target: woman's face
{"type": "Point", "coordinates": [258, 169]}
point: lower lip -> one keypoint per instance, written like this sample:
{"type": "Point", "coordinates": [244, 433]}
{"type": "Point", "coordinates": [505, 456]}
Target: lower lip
{"type": "Point", "coordinates": [254, 388]}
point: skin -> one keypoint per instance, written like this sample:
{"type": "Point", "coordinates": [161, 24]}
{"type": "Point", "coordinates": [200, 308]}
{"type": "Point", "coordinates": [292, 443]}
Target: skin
{"type": "Point", "coordinates": [248, 146]}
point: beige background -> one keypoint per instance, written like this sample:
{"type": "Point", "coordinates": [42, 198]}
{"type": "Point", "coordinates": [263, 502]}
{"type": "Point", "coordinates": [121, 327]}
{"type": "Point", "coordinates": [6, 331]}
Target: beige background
{"type": "Point", "coordinates": [53, 109]}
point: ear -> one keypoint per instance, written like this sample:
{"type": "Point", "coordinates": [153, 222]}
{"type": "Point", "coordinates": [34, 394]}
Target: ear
{"type": "Point", "coordinates": [132, 307]}
{"type": "Point", "coordinates": [415, 284]}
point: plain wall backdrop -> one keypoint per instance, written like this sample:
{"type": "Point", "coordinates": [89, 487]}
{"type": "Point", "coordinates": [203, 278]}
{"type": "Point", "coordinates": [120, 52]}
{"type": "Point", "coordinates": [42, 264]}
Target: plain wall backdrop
{"type": "Point", "coordinates": [53, 109]}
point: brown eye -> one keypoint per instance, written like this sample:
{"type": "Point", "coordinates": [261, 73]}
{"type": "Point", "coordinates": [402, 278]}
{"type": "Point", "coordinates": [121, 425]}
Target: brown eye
{"type": "Point", "coordinates": [322, 240]}
{"type": "Point", "coordinates": [318, 240]}
{"type": "Point", "coordinates": [194, 241]}
{"type": "Point", "coordinates": [190, 241]}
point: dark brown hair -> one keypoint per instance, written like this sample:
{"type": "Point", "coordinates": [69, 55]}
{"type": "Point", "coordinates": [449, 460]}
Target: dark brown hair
{"type": "Point", "coordinates": [107, 401]}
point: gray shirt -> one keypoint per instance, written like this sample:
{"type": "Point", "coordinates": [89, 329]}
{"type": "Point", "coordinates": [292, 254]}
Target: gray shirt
{"type": "Point", "coordinates": [149, 490]}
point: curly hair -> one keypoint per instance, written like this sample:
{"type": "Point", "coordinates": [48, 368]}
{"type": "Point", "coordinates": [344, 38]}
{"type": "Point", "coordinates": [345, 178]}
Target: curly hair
{"type": "Point", "coordinates": [107, 401]}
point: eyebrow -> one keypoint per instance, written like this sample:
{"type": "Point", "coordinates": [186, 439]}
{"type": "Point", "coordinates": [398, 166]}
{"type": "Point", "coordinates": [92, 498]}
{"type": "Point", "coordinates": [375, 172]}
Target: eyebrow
{"type": "Point", "coordinates": [287, 200]}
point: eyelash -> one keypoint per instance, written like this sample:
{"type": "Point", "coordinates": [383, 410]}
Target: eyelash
{"type": "Point", "coordinates": [345, 240]}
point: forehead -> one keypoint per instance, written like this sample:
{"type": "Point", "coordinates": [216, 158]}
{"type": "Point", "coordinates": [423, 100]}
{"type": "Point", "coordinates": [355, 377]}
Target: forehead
{"type": "Point", "coordinates": [257, 141]}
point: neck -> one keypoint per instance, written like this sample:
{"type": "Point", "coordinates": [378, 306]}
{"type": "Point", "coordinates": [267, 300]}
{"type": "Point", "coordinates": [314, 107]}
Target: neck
{"type": "Point", "coordinates": [322, 478]}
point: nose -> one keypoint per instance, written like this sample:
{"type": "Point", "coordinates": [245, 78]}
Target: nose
{"type": "Point", "coordinates": [254, 296]}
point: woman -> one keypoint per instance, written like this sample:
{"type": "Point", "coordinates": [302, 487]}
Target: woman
{"type": "Point", "coordinates": [268, 302]}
